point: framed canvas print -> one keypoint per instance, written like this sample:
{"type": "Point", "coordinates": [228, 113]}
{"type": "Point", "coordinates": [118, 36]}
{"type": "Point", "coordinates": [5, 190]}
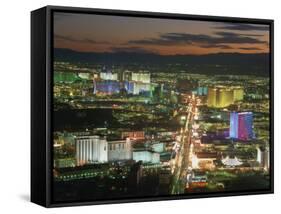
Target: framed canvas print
{"type": "Point", "coordinates": [138, 106]}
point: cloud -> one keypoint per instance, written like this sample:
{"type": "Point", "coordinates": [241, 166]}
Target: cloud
{"type": "Point", "coordinates": [85, 40]}
{"type": "Point", "coordinates": [243, 27]}
{"type": "Point", "coordinates": [226, 47]}
{"type": "Point", "coordinates": [219, 39]}
{"type": "Point", "coordinates": [131, 50]}
{"type": "Point", "coordinates": [234, 38]}
{"type": "Point", "coordinates": [250, 48]}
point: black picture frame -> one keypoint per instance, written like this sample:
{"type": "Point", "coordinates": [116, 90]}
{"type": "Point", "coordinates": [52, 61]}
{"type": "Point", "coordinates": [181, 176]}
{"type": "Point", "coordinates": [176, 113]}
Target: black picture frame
{"type": "Point", "coordinates": [41, 102]}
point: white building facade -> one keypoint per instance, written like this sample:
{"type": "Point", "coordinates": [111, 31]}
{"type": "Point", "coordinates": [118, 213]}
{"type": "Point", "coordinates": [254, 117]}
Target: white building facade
{"type": "Point", "coordinates": [263, 157]}
{"type": "Point", "coordinates": [146, 156]}
{"type": "Point", "coordinates": [91, 149]}
{"type": "Point", "coordinates": [143, 77]}
{"type": "Point", "coordinates": [120, 150]}
{"type": "Point", "coordinates": [108, 76]}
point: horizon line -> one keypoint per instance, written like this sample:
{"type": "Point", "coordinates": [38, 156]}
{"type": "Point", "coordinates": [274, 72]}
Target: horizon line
{"type": "Point", "coordinates": [158, 54]}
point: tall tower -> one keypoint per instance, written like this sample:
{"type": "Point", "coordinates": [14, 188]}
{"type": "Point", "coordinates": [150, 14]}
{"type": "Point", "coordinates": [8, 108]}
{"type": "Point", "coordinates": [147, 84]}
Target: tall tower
{"type": "Point", "coordinates": [238, 93]}
{"type": "Point", "coordinates": [263, 157]}
{"type": "Point", "coordinates": [212, 97]}
{"type": "Point", "coordinates": [128, 148]}
{"type": "Point", "coordinates": [220, 97]}
{"type": "Point", "coordinates": [233, 130]}
{"type": "Point", "coordinates": [224, 97]}
{"type": "Point", "coordinates": [94, 86]}
{"type": "Point", "coordinates": [241, 125]}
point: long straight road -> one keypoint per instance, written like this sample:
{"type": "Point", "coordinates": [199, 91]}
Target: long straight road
{"type": "Point", "coordinates": [183, 162]}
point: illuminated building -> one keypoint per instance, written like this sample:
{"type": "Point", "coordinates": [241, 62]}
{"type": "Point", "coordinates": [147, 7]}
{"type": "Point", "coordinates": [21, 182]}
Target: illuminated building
{"type": "Point", "coordinates": [241, 125]}
{"type": "Point", "coordinates": [212, 97]}
{"type": "Point", "coordinates": [198, 181]}
{"type": "Point", "coordinates": [166, 134]}
{"type": "Point", "coordinates": [125, 76]}
{"type": "Point", "coordinates": [146, 156]}
{"type": "Point", "coordinates": [231, 161]}
{"type": "Point", "coordinates": [238, 93]}
{"type": "Point", "coordinates": [136, 135]}
{"type": "Point", "coordinates": [201, 91]}
{"type": "Point", "coordinates": [106, 87]}
{"type": "Point", "coordinates": [143, 77]}
{"type": "Point", "coordinates": [263, 157]}
{"type": "Point", "coordinates": [220, 97]}
{"type": "Point", "coordinates": [225, 97]}
{"type": "Point", "coordinates": [119, 150]}
{"type": "Point", "coordinates": [85, 76]}
{"type": "Point", "coordinates": [215, 136]}
{"type": "Point", "coordinates": [108, 76]}
{"type": "Point", "coordinates": [158, 147]}
{"type": "Point", "coordinates": [90, 149]}
{"type": "Point", "coordinates": [203, 160]}
{"type": "Point", "coordinates": [65, 77]}
{"type": "Point", "coordinates": [137, 88]}
{"type": "Point", "coordinates": [173, 97]}
{"type": "Point", "coordinates": [64, 162]}
{"type": "Point", "coordinates": [129, 86]}
{"type": "Point", "coordinates": [141, 88]}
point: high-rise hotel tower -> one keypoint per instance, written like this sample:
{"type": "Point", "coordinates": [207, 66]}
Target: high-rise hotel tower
{"type": "Point", "coordinates": [223, 96]}
{"type": "Point", "coordinates": [241, 125]}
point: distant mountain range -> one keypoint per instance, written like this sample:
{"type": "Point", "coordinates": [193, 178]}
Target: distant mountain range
{"type": "Point", "coordinates": [219, 63]}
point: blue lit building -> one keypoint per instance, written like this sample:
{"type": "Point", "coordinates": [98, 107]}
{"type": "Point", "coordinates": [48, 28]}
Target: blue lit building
{"type": "Point", "coordinates": [202, 91]}
{"type": "Point", "coordinates": [241, 125]}
{"type": "Point", "coordinates": [106, 87]}
{"type": "Point", "coordinates": [233, 129]}
{"type": "Point", "coordinates": [137, 88]}
{"type": "Point", "coordinates": [129, 86]}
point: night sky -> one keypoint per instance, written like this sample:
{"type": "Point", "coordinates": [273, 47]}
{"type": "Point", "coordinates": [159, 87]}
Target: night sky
{"type": "Point", "coordinates": [100, 33]}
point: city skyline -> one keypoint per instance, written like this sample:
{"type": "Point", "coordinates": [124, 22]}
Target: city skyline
{"type": "Point", "coordinates": [129, 124]}
{"type": "Point", "coordinates": [158, 36]}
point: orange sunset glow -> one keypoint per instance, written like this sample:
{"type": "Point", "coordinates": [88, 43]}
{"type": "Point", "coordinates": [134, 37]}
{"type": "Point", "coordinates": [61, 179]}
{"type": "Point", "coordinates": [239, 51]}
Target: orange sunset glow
{"type": "Point", "coordinates": [95, 33]}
